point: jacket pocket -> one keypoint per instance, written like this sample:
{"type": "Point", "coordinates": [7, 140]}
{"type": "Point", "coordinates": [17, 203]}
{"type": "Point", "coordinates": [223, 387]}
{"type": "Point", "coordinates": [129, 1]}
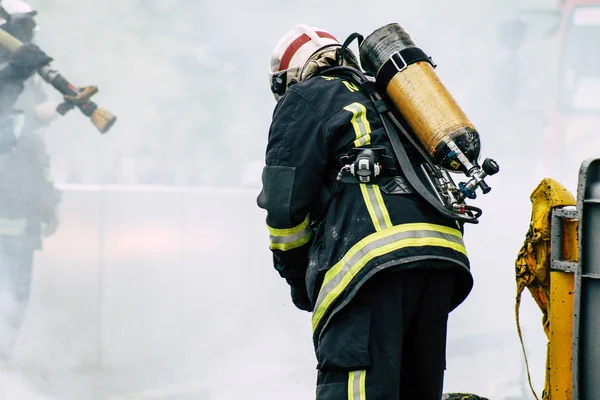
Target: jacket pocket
{"type": "Point", "coordinates": [333, 391]}
{"type": "Point", "coordinates": [344, 345]}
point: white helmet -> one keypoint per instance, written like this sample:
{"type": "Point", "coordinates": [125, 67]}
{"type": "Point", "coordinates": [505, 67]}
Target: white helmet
{"type": "Point", "coordinates": [15, 7]}
{"type": "Point", "coordinates": [17, 18]}
{"type": "Point", "coordinates": [292, 54]}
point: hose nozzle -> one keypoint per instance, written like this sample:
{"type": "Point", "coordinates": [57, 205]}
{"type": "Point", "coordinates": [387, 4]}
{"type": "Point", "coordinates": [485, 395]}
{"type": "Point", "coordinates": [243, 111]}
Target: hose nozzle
{"type": "Point", "coordinates": [103, 119]}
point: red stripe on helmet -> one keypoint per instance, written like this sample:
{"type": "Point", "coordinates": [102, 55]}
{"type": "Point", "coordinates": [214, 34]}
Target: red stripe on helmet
{"type": "Point", "coordinates": [296, 44]}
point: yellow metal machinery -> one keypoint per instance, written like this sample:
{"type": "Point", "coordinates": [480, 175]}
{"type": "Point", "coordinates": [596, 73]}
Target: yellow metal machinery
{"type": "Point", "coordinates": [561, 305]}
{"type": "Point", "coordinates": [533, 263]}
{"type": "Point", "coordinates": [559, 264]}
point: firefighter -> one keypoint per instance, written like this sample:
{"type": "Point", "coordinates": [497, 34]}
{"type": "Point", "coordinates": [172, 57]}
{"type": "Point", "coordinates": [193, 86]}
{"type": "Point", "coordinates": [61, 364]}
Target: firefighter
{"type": "Point", "coordinates": [380, 272]}
{"type": "Point", "coordinates": [28, 199]}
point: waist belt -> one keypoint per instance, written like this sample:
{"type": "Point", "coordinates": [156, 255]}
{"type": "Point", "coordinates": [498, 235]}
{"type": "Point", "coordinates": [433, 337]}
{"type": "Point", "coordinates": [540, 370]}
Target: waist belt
{"type": "Point", "coordinates": [394, 184]}
{"type": "Point", "coordinates": [389, 184]}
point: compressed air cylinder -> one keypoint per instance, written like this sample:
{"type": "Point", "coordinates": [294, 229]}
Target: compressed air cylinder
{"type": "Point", "coordinates": [406, 75]}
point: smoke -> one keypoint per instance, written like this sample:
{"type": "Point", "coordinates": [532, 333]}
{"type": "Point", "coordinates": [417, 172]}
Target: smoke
{"type": "Point", "coordinates": [16, 386]}
{"type": "Point", "coordinates": [169, 285]}
{"type": "Point", "coordinates": [13, 383]}
{"type": "Point", "coordinates": [43, 365]}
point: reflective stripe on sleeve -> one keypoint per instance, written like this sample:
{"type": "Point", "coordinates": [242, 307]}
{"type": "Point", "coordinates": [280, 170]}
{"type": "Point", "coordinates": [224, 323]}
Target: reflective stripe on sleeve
{"type": "Point", "coordinates": [13, 227]}
{"type": "Point", "coordinates": [290, 238]}
{"type": "Point", "coordinates": [361, 125]}
{"type": "Point", "coordinates": [377, 209]}
{"type": "Point", "coordinates": [375, 245]}
{"type": "Point", "coordinates": [356, 385]}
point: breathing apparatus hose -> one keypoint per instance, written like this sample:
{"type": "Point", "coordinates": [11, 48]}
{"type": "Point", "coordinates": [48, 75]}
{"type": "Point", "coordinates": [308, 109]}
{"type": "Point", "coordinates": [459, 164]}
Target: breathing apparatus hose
{"type": "Point", "coordinates": [335, 191]}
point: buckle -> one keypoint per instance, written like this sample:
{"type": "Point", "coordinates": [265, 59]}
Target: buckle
{"type": "Point", "coordinates": [279, 82]}
{"type": "Point", "coordinates": [397, 58]}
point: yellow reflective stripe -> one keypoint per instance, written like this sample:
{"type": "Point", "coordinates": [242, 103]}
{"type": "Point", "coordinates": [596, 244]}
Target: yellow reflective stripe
{"type": "Point", "coordinates": [376, 207]}
{"type": "Point", "coordinates": [291, 245]}
{"type": "Point", "coordinates": [362, 127]}
{"type": "Point", "coordinates": [375, 245]}
{"type": "Point", "coordinates": [351, 385]}
{"type": "Point", "coordinates": [351, 86]}
{"type": "Point", "coordinates": [395, 231]}
{"type": "Point", "coordinates": [290, 238]}
{"type": "Point", "coordinates": [384, 210]}
{"type": "Point", "coordinates": [356, 385]}
{"type": "Point", "coordinates": [13, 227]}
{"type": "Point", "coordinates": [363, 189]}
{"type": "Point", "coordinates": [290, 231]}
{"type": "Point", "coordinates": [363, 385]}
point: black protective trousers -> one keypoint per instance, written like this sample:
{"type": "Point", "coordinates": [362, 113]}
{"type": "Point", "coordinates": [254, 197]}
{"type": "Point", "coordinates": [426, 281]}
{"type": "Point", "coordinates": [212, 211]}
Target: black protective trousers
{"type": "Point", "coordinates": [16, 269]}
{"type": "Point", "coordinates": [389, 343]}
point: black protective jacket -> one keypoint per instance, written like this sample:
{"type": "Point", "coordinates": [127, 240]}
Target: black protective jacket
{"type": "Point", "coordinates": [365, 230]}
{"type": "Point", "coordinates": [27, 192]}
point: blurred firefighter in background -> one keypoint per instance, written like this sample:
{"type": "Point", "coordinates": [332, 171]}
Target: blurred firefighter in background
{"type": "Point", "coordinates": [28, 198]}
{"type": "Point", "coordinates": [379, 268]}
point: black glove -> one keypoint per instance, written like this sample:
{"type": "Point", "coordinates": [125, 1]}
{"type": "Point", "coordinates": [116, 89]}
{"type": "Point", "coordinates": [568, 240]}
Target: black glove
{"type": "Point", "coordinates": [26, 60]}
{"type": "Point", "coordinates": [299, 293]}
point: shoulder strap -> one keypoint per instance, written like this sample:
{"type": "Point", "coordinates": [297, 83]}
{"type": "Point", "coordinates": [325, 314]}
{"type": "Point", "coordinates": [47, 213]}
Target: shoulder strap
{"type": "Point", "coordinates": [347, 43]}
{"type": "Point", "coordinates": [392, 126]}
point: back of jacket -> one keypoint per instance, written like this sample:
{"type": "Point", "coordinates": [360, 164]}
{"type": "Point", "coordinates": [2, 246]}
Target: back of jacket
{"type": "Point", "coordinates": [365, 230]}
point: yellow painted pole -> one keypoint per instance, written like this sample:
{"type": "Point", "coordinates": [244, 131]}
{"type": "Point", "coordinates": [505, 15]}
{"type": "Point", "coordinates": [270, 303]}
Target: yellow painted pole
{"type": "Point", "coordinates": [561, 319]}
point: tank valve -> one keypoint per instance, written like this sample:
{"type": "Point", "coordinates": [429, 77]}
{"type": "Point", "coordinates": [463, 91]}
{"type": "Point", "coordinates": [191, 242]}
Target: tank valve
{"type": "Point", "coordinates": [488, 168]}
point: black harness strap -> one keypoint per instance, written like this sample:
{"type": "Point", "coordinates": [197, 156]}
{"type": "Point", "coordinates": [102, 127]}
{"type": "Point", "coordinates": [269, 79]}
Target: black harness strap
{"type": "Point", "coordinates": [347, 43]}
{"type": "Point", "coordinates": [370, 89]}
{"type": "Point", "coordinates": [398, 62]}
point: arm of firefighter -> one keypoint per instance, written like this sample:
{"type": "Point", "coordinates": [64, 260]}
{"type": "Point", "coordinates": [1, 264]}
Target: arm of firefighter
{"type": "Point", "coordinates": [295, 163]}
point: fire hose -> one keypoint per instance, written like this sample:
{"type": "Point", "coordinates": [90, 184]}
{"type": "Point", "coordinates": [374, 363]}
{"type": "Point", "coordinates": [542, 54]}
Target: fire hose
{"type": "Point", "coordinates": [102, 119]}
